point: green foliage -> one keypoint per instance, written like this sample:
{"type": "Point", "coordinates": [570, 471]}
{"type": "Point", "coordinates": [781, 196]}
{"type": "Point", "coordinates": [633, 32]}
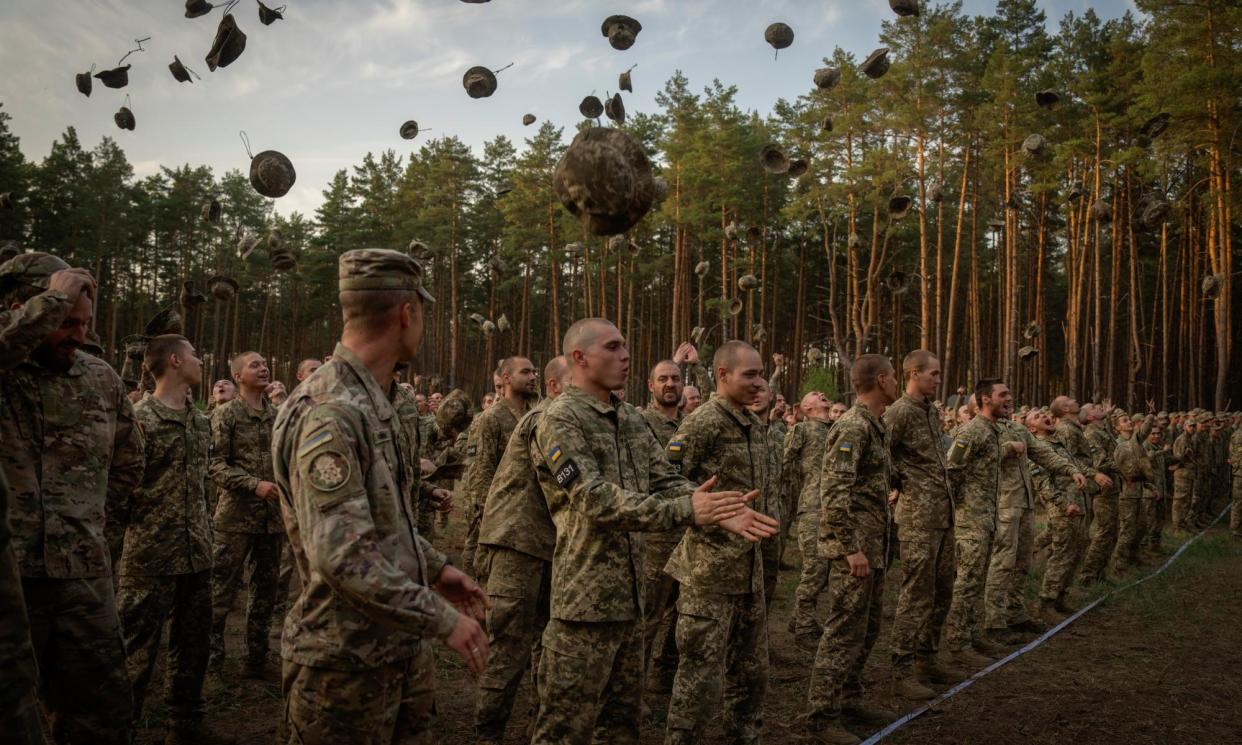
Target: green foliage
{"type": "Point", "coordinates": [820, 379]}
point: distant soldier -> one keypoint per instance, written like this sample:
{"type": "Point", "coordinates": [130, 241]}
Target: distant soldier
{"type": "Point", "coordinates": [803, 463]}
{"type": "Point", "coordinates": [1183, 464]}
{"type": "Point", "coordinates": [854, 485]}
{"type": "Point", "coordinates": [1066, 509]}
{"type": "Point", "coordinates": [1235, 462]}
{"type": "Point", "coordinates": [516, 540]}
{"type": "Point", "coordinates": [606, 480]}
{"type": "Point", "coordinates": [1159, 454]}
{"type": "Point", "coordinates": [691, 399]}
{"type": "Point", "coordinates": [248, 532]}
{"type": "Point", "coordinates": [165, 566]}
{"type": "Point", "coordinates": [358, 663]}
{"type": "Point", "coordinates": [1205, 446]}
{"type": "Point", "coordinates": [71, 457]}
{"type": "Point", "coordinates": [721, 619]}
{"type": "Point", "coordinates": [306, 368]}
{"type": "Point", "coordinates": [222, 391]}
{"type": "Point", "coordinates": [1104, 503]}
{"type": "Point", "coordinates": [1136, 488]}
{"type": "Point", "coordinates": [442, 443]}
{"type": "Point", "coordinates": [924, 517]}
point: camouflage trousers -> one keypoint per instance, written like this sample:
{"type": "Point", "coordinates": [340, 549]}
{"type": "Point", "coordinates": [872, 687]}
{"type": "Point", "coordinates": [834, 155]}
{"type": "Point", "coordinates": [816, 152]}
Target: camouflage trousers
{"type": "Point", "coordinates": [1067, 537]}
{"type": "Point", "coordinates": [1103, 535]}
{"type": "Point", "coordinates": [722, 641]}
{"type": "Point", "coordinates": [855, 607]}
{"type": "Point", "coordinates": [814, 577]}
{"type": "Point", "coordinates": [184, 601]}
{"type": "Point", "coordinates": [1157, 519]}
{"type": "Point", "coordinates": [20, 721]}
{"type": "Point", "coordinates": [288, 584]}
{"type": "Point", "coordinates": [474, 518]}
{"type": "Point", "coordinates": [770, 551]}
{"type": "Point", "coordinates": [520, 588]}
{"type": "Point", "coordinates": [659, 614]}
{"type": "Point", "coordinates": [395, 703]}
{"type": "Point", "coordinates": [590, 683]}
{"type": "Point", "coordinates": [77, 641]}
{"type": "Point", "coordinates": [1235, 509]}
{"type": "Point", "coordinates": [1007, 569]}
{"type": "Point", "coordinates": [1183, 498]}
{"type": "Point", "coordinates": [972, 550]}
{"type": "Point", "coordinates": [232, 555]}
{"type": "Point", "coordinates": [1129, 529]}
{"type": "Point", "coordinates": [927, 568]}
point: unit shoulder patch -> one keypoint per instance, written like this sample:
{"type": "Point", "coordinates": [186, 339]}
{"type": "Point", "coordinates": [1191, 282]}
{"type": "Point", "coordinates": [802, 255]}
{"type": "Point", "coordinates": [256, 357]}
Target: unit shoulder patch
{"type": "Point", "coordinates": [329, 471]}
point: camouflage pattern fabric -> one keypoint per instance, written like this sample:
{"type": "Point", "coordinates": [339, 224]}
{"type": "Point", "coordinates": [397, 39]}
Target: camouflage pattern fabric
{"type": "Point", "coordinates": [801, 465]}
{"type": "Point", "coordinates": [772, 549]}
{"type": "Point", "coordinates": [813, 578]}
{"type": "Point", "coordinates": [660, 590]}
{"type": "Point", "coordinates": [1066, 534]}
{"type": "Point", "coordinates": [1235, 460]}
{"type": "Point", "coordinates": [233, 556]}
{"type": "Point", "coordinates": [1136, 489]}
{"type": "Point", "coordinates": [515, 514]}
{"type": "Point", "coordinates": [1104, 503]}
{"type": "Point", "coordinates": [241, 457]}
{"type": "Point", "coordinates": [855, 608]}
{"type": "Point", "coordinates": [1183, 481]}
{"type": "Point", "coordinates": [591, 682]}
{"type": "Point", "coordinates": [491, 436]}
{"type": "Point", "coordinates": [973, 549]}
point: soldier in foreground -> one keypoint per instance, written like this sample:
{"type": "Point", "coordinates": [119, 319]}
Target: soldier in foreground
{"type": "Point", "coordinates": [722, 640]}
{"type": "Point", "coordinates": [1158, 453]}
{"type": "Point", "coordinates": [516, 540]}
{"type": "Point", "coordinates": [1136, 488]}
{"type": "Point", "coordinates": [374, 592]}
{"type": "Point", "coordinates": [72, 457]}
{"type": "Point", "coordinates": [802, 465]}
{"type": "Point", "coordinates": [1104, 503]}
{"type": "Point", "coordinates": [1183, 466]}
{"type": "Point", "coordinates": [854, 538]}
{"type": "Point", "coordinates": [1066, 509]}
{"type": "Point", "coordinates": [606, 479]}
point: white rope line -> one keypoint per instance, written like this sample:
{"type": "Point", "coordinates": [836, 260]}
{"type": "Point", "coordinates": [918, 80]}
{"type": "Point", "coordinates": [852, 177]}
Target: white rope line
{"type": "Point", "coordinates": [916, 713]}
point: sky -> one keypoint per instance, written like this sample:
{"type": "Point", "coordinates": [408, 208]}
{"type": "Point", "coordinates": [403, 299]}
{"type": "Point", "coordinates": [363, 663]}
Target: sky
{"type": "Point", "coordinates": [337, 78]}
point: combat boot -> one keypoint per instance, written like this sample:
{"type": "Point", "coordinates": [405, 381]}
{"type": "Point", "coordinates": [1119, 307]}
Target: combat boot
{"type": "Point", "coordinates": [830, 732]}
{"type": "Point", "coordinates": [988, 648]}
{"type": "Point", "coordinates": [907, 686]}
{"type": "Point", "coordinates": [968, 658]}
{"type": "Point", "coordinates": [1049, 612]}
{"type": "Point", "coordinates": [933, 672]}
{"type": "Point", "coordinates": [1029, 626]}
{"type": "Point", "coordinates": [1002, 638]}
{"type": "Point", "coordinates": [858, 711]}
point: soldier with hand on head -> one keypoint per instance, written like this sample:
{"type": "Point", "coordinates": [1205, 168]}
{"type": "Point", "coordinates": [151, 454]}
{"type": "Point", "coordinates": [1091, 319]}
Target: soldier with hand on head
{"type": "Point", "coordinates": [374, 592]}
{"type": "Point", "coordinates": [1066, 508]}
{"type": "Point", "coordinates": [1137, 479]}
{"type": "Point", "coordinates": [802, 463]}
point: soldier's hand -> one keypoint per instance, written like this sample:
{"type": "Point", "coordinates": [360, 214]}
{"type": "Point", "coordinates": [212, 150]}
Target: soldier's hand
{"type": "Point", "coordinates": [469, 641]}
{"type": "Point", "coordinates": [463, 592]}
{"type": "Point", "coordinates": [1080, 481]}
{"type": "Point", "coordinates": [859, 566]}
{"type": "Point", "coordinates": [711, 507]}
{"type": "Point", "coordinates": [892, 499]}
{"type": "Point", "coordinates": [1103, 480]}
{"type": "Point", "coordinates": [72, 282]}
{"type": "Point", "coordinates": [426, 466]}
{"type": "Point", "coordinates": [444, 500]}
{"type": "Point", "coordinates": [692, 354]}
{"type": "Point", "coordinates": [265, 490]}
{"type": "Point", "coordinates": [1072, 510]}
{"type": "Point", "coordinates": [1019, 448]}
{"type": "Point", "coordinates": [751, 525]}
{"type": "Point", "coordinates": [682, 352]}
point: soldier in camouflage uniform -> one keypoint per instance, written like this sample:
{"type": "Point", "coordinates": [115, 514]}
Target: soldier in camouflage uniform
{"type": "Point", "coordinates": [1235, 463]}
{"type": "Point", "coordinates": [443, 442]}
{"type": "Point", "coordinates": [1159, 454]}
{"type": "Point", "coordinates": [516, 539]}
{"type": "Point", "coordinates": [165, 566]}
{"type": "Point", "coordinates": [358, 665]}
{"type": "Point", "coordinates": [248, 533]}
{"type": "Point", "coordinates": [429, 498]}
{"type": "Point", "coordinates": [71, 457]}
{"type": "Point", "coordinates": [854, 487]}
{"type": "Point", "coordinates": [1104, 502]}
{"type": "Point", "coordinates": [659, 589]}
{"type": "Point", "coordinates": [1183, 465]}
{"type": "Point", "coordinates": [21, 330]}
{"type": "Point", "coordinates": [1136, 488]}
{"type": "Point", "coordinates": [520, 388]}
{"type": "Point", "coordinates": [606, 479]}
{"type": "Point", "coordinates": [777, 503]}
{"type": "Point", "coordinates": [721, 613]}
{"type": "Point", "coordinates": [802, 465]}
{"type": "Point", "coordinates": [924, 517]}
{"type": "Point", "coordinates": [1066, 509]}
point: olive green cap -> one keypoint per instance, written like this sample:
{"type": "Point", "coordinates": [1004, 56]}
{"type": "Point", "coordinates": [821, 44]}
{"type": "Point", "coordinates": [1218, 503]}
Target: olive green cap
{"type": "Point", "coordinates": [381, 269]}
{"type": "Point", "coordinates": [35, 268]}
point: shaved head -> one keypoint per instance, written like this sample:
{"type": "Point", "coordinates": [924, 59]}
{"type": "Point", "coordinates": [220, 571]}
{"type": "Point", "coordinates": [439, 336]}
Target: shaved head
{"type": "Point", "coordinates": [557, 369]}
{"type": "Point", "coordinates": [582, 334]}
{"type": "Point", "coordinates": [731, 354]}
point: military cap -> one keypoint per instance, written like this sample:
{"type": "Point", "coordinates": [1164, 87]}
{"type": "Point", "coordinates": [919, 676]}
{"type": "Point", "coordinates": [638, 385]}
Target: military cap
{"type": "Point", "coordinates": [454, 412]}
{"type": "Point", "coordinates": [381, 269]}
{"type": "Point", "coordinates": [34, 268]}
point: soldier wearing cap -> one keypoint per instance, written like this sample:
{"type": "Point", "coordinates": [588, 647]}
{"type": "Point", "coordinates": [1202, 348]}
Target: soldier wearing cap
{"type": "Point", "coordinates": [71, 457]}
{"type": "Point", "coordinates": [358, 664]}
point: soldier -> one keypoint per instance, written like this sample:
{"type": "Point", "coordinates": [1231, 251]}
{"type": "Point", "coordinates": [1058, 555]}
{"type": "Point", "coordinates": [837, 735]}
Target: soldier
{"type": "Point", "coordinates": [777, 503]}
{"type": "Point", "coordinates": [519, 389]}
{"type": "Point", "coordinates": [801, 468]}
{"type": "Point", "coordinates": [439, 435]}
{"type": "Point", "coordinates": [21, 330]}
{"type": "Point", "coordinates": [222, 391]}
{"type": "Point", "coordinates": [659, 589]}
{"type": "Point", "coordinates": [358, 665]}
{"type": "Point", "coordinates": [721, 617]}
{"type": "Point", "coordinates": [1205, 466]}
{"type": "Point", "coordinates": [854, 538]}
{"type": "Point", "coordinates": [1183, 467]}
{"type": "Point", "coordinates": [516, 540]}
{"type": "Point", "coordinates": [924, 517]}
{"type": "Point", "coordinates": [836, 411]}
{"type": "Point", "coordinates": [71, 457]}
{"type": "Point", "coordinates": [165, 567]}
{"type": "Point", "coordinates": [1136, 489]}
{"type": "Point", "coordinates": [1235, 462]}
{"type": "Point", "coordinates": [306, 368]}
{"type": "Point", "coordinates": [1067, 519]}
{"type": "Point", "coordinates": [1158, 516]}
{"type": "Point", "coordinates": [605, 479]}
{"type": "Point", "coordinates": [687, 358]}
{"type": "Point", "coordinates": [1104, 502]}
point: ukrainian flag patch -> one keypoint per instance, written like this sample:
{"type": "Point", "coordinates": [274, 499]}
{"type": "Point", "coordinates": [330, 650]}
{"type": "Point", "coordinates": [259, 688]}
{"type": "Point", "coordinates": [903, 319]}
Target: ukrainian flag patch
{"type": "Point", "coordinates": [846, 447]}
{"type": "Point", "coordinates": [555, 455]}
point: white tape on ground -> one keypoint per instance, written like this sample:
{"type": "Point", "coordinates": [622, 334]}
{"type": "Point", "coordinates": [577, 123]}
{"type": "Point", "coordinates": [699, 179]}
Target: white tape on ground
{"type": "Point", "coordinates": [921, 710]}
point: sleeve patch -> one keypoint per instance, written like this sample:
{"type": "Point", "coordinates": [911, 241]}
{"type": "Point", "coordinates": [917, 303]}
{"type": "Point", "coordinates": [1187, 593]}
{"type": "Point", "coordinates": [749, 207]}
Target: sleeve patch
{"type": "Point", "coordinates": [555, 455]}
{"type": "Point", "coordinates": [957, 452]}
{"type": "Point", "coordinates": [846, 447]}
{"type": "Point", "coordinates": [329, 471]}
{"type": "Point", "coordinates": [565, 473]}
{"type": "Point", "coordinates": [322, 438]}
{"type": "Point", "coordinates": [676, 450]}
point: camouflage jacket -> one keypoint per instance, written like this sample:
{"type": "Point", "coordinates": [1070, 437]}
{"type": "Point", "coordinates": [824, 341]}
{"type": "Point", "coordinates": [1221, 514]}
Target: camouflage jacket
{"type": "Point", "coordinates": [854, 485]}
{"type": "Point", "coordinates": [1235, 453]}
{"type": "Point", "coordinates": [1054, 488]}
{"type": "Point", "coordinates": [1205, 453]}
{"type": "Point", "coordinates": [170, 529]}
{"type": "Point", "coordinates": [1159, 458]}
{"type": "Point", "coordinates": [605, 479]}
{"type": "Point", "coordinates": [341, 462]}
{"type": "Point", "coordinates": [72, 458]}
{"type": "Point", "coordinates": [1015, 491]}
{"type": "Point", "coordinates": [921, 477]}
{"type": "Point", "coordinates": [1184, 459]}
{"type": "Point", "coordinates": [779, 503]}
{"type": "Point", "coordinates": [663, 429]}
{"type": "Point", "coordinates": [491, 436]}
{"type": "Point", "coordinates": [22, 330]}
{"type": "Point", "coordinates": [516, 514]}
{"type": "Point", "coordinates": [1103, 445]}
{"type": "Point", "coordinates": [241, 457]}
{"type": "Point", "coordinates": [730, 443]}
{"type": "Point", "coordinates": [1134, 468]}
{"type": "Point", "coordinates": [974, 472]}
{"type": "Point", "coordinates": [1070, 434]}
{"type": "Point", "coordinates": [406, 406]}
{"type": "Point", "coordinates": [802, 463]}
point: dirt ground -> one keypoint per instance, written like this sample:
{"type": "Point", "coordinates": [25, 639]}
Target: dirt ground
{"type": "Point", "coordinates": [1158, 665]}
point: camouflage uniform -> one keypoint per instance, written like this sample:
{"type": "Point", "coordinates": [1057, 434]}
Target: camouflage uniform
{"type": "Point", "coordinates": [778, 504]}
{"type": "Point", "coordinates": [721, 614]}
{"type": "Point", "coordinates": [165, 566]}
{"type": "Point", "coordinates": [1067, 533]}
{"type": "Point", "coordinates": [357, 663]}
{"type": "Point", "coordinates": [490, 438]}
{"type": "Point", "coordinates": [1183, 481]}
{"type": "Point", "coordinates": [1136, 473]}
{"type": "Point", "coordinates": [801, 469]}
{"type": "Point", "coordinates": [1156, 510]}
{"type": "Point", "coordinates": [20, 331]}
{"type": "Point", "coordinates": [854, 489]}
{"type": "Point", "coordinates": [1201, 501]}
{"type": "Point", "coordinates": [248, 532]}
{"type": "Point", "coordinates": [1104, 503]}
{"type": "Point", "coordinates": [516, 540]}
{"type": "Point", "coordinates": [1235, 461]}
{"type": "Point", "coordinates": [924, 517]}
{"type": "Point", "coordinates": [606, 481]}
{"type": "Point", "coordinates": [445, 452]}
{"type": "Point", "coordinates": [659, 589]}
{"type": "Point", "coordinates": [973, 464]}
{"type": "Point", "coordinates": [72, 456]}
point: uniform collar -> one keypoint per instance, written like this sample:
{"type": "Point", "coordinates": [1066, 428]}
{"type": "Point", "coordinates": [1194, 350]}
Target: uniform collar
{"type": "Point", "coordinates": [513, 408]}
{"type": "Point", "coordinates": [744, 417]}
{"type": "Point", "coordinates": [920, 401]}
{"type": "Point", "coordinates": [164, 411]}
{"type": "Point", "coordinates": [379, 401]}
{"type": "Point", "coordinates": [612, 406]}
{"type": "Point", "coordinates": [264, 411]}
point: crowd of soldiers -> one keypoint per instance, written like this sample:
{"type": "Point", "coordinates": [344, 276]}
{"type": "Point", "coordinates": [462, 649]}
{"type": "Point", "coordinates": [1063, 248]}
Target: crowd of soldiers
{"type": "Point", "coordinates": [616, 555]}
